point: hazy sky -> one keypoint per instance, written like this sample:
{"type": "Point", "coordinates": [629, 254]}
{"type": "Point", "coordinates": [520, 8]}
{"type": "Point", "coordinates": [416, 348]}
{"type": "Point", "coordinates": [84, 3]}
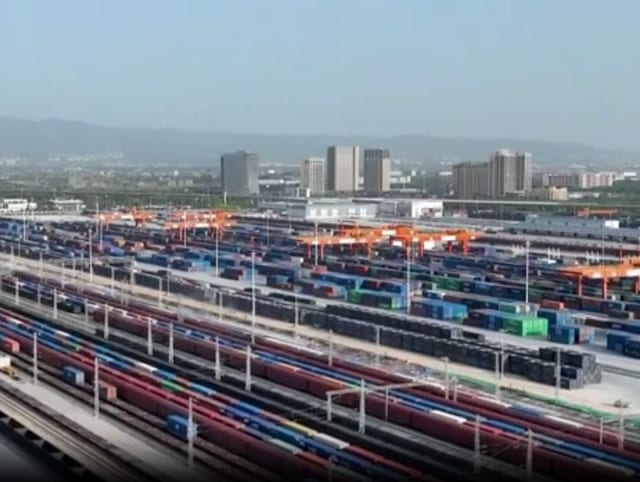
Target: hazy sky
{"type": "Point", "coordinates": [547, 69]}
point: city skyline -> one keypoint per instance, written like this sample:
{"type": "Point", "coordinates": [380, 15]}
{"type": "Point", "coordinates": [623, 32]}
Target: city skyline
{"type": "Point", "coordinates": [548, 82]}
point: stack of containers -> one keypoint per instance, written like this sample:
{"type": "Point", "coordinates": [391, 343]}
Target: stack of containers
{"type": "Point", "coordinates": [289, 270]}
{"type": "Point", "coordinates": [515, 324]}
{"type": "Point", "coordinates": [329, 290]}
{"type": "Point", "coordinates": [190, 264]}
{"type": "Point", "coordinates": [617, 341]}
{"type": "Point", "coordinates": [632, 347]}
{"type": "Point", "coordinates": [160, 259]}
{"type": "Point", "coordinates": [349, 282]}
{"type": "Point", "coordinates": [438, 309]}
{"type": "Point", "coordinates": [237, 274]}
{"type": "Point", "coordinates": [565, 328]}
{"type": "Point", "coordinates": [377, 299]}
{"type": "Point", "coordinates": [279, 281]}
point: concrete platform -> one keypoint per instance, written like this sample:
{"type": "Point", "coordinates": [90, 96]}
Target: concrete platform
{"type": "Point", "coordinates": [153, 458]}
{"type": "Point", "coordinates": [599, 397]}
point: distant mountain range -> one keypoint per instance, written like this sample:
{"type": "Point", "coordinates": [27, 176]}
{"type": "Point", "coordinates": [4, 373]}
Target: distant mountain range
{"type": "Point", "coordinates": [41, 139]}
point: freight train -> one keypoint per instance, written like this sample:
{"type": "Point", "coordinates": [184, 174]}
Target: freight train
{"type": "Point", "coordinates": [407, 404]}
{"type": "Point", "coordinates": [212, 410]}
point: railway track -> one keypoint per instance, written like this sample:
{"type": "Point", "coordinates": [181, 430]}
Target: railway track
{"type": "Point", "coordinates": [93, 458]}
{"type": "Point", "coordinates": [219, 464]}
{"type": "Point", "coordinates": [621, 371]}
{"type": "Point", "coordinates": [428, 453]}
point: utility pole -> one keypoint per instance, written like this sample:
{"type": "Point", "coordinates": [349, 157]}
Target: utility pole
{"type": "Point", "coordinates": [408, 301]}
{"type": "Point", "coordinates": [35, 357]}
{"type": "Point", "coordinates": [497, 354]}
{"type": "Point", "coordinates": [171, 342]}
{"type": "Point", "coordinates": [55, 304]}
{"type": "Point", "coordinates": [218, 371]}
{"type": "Point", "coordinates": [219, 305]}
{"type": "Point", "coordinates": [96, 387]}
{"type": "Point", "coordinates": [149, 339]}
{"type": "Point", "coordinates": [476, 445]}
{"type": "Point", "coordinates": [253, 297]}
{"type": "Point", "coordinates": [190, 434]}
{"type": "Point", "coordinates": [621, 426]}
{"type": "Point", "coordinates": [558, 374]}
{"type": "Point", "coordinates": [247, 380]}
{"type": "Point", "coordinates": [106, 322]}
{"type": "Point", "coordinates": [296, 317]}
{"type": "Point", "coordinates": [377, 345]}
{"type": "Point", "coordinates": [529, 461]}
{"type": "Point", "coordinates": [330, 360]}
{"type": "Point", "coordinates": [362, 417]}
{"type": "Point", "coordinates": [527, 245]}
{"type": "Point", "coordinates": [17, 291]}
{"type": "Point", "coordinates": [316, 244]}
{"type": "Point", "coordinates": [446, 377]}
{"type": "Point", "coordinates": [217, 242]}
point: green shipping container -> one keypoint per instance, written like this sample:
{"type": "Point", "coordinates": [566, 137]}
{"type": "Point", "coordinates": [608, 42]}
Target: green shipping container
{"type": "Point", "coordinates": [514, 308]}
{"type": "Point", "coordinates": [353, 296]}
{"type": "Point", "coordinates": [526, 326]}
{"type": "Point", "coordinates": [170, 386]}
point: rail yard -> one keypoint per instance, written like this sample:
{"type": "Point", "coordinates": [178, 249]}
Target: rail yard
{"type": "Point", "coordinates": [238, 344]}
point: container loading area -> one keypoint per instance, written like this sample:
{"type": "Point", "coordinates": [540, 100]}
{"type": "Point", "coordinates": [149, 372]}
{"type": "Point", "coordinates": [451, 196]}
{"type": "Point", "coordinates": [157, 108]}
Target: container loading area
{"type": "Point", "coordinates": [432, 293]}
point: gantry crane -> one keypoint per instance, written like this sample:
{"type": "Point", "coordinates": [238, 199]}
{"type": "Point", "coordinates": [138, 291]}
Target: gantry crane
{"type": "Point", "coordinates": [627, 268]}
{"type": "Point", "coordinates": [407, 236]}
{"type": "Point", "coordinates": [586, 212]}
{"type": "Point", "coordinates": [214, 221]}
{"type": "Point", "coordinates": [398, 235]}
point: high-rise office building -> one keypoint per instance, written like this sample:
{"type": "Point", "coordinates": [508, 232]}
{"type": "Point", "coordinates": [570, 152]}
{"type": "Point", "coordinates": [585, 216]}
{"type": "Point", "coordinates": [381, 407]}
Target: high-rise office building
{"type": "Point", "coordinates": [342, 169]}
{"type": "Point", "coordinates": [506, 173]}
{"type": "Point", "coordinates": [239, 173]}
{"type": "Point", "coordinates": [377, 170]}
{"type": "Point", "coordinates": [509, 173]}
{"type": "Point", "coordinates": [312, 175]}
{"type": "Point", "coordinates": [471, 180]}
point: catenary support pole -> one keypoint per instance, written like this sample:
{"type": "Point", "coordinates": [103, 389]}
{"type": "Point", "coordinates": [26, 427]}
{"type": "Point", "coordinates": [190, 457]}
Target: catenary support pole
{"type": "Point", "coordinates": [149, 338]}
{"type": "Point", "coordinates": [35, 357]}
{"type": "Point", "coordinates": [190, 434]}
{"type": "Point", "coordinates": [218, 368]}
{"type": "Point", "coordinates": [247, 380]}
{"type": "Point", "coordinates": [171, 342]}
{"type": "Point", "coordinates": [529, 461]}
{"type": "Point", "coordinates": [362, 413]}
{"type": "Point", "coordinates": [96, 387]}
{"type": "Point", "coordinates": [476, 445]}
{"type": "Point", "coordinates": [106, 322]}
{"type": "Point", "coordinates": [55, 304]}
{"type": "Point", "coordinates": [253, 297]}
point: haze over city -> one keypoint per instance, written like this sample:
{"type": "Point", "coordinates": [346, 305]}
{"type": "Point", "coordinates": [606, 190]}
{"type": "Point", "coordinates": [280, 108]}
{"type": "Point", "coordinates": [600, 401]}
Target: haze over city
{"type": "Point", "coordinates": [557, 71]}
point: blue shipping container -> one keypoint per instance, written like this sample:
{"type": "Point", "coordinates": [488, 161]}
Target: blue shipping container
{"type": "Point", "coordinates": [73, 375]}
{"type": "Point", "coordinates": [178, 426]}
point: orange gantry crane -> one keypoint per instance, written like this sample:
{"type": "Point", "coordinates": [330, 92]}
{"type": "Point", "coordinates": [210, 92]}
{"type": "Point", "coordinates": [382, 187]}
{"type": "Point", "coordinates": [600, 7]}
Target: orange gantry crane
{"type": "Point", "coordinates": [214, 221]}
{"type": "Point", "coordinates": [586, 212]}
{"type": "Point", "coordinates": [396, 235]}
{"type": "Point", "coordinates": [627, 268]}
{"type": "Point", "coordinates": [140, 217]}
{"type": "Point", "coordinates": [408, 236]}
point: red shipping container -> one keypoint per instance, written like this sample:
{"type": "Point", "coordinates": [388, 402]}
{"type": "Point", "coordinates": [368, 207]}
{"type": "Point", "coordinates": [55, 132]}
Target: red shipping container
{"type": "Point", "coordinates": [554, 305]}
{"type": "Point", "coordinates": [12, 346]}
{"type": "Point", "coordinates": [108, 391]}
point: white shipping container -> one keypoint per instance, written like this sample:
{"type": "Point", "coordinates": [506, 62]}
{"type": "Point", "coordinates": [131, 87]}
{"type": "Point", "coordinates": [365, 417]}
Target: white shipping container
{"type": "Point", "coordinates": [5, 362]}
